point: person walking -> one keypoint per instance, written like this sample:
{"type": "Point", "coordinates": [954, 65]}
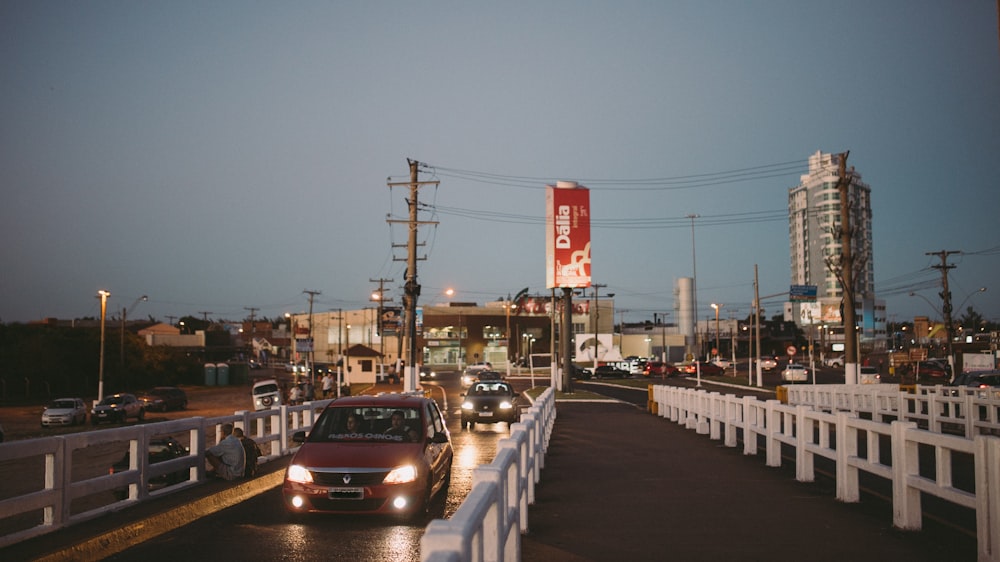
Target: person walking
{"type": "Point", "coordinates": [327, 385]}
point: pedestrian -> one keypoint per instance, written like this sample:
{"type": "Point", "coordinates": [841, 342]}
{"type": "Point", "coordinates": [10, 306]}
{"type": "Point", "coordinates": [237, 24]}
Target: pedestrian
{"type": "Point", "coordinates": [327, 385]}
{"type": "Point", "coordinates": [251, 452]}
{"type": "Point", "coordinates": [295, 395]}
{"type": "Point", "coordinates": [227, 457]}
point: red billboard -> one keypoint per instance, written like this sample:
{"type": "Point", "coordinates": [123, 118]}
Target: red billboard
{"type": "Point", "coordinates": [567, 237]}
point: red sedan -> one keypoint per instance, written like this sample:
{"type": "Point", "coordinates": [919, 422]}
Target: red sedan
{"type": "Point", "coordinates": [659, 369]}
{"type": "Point", "coordinates": [707, 369]}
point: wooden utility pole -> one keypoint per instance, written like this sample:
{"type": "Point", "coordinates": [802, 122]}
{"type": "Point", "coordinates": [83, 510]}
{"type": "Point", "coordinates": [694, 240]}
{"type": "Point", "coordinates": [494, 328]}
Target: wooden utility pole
{"type": "Point", "coordinates": [945, 295]}
{"type": "Point", "coordinates": [411, 289]}
{"type": "Point", "coordinates": [851, 351]}
{"type": "Point", "coordinates": [312, 342]}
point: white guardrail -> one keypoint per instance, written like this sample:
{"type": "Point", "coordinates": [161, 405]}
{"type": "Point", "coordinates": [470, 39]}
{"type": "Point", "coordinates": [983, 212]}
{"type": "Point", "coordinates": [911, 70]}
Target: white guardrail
{"type": "Point", "coordinates": [489, 523]}
{"type": "Point", "coordinates": [42, 504]}
{"type": "Point", "coordinates": [825, 422]}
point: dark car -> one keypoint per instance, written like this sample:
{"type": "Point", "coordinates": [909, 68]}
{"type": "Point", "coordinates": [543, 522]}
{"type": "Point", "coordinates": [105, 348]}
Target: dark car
{"type": "Point", "coordinates": [977, 379]}
{"type": "Point", "coordinates": [611, 372]}
{"type": "Point", "coordinates": [489, 402]}
{"type": "Point", "coordinates": [358, 459]}
{"type": "Point", "coordinates": [934, 369]}
{"type": "Point", "coordinates": [118, 408]}
{"type": "Point", "coordinates": [160, 449]}
{"type": "Point", "coordinates": [659, 369]}
{"type": "Point", "coordinates": [706, 368]}
{"type": "Point", "coordinates": [163, 398]}
{"type": "Point", "coordinates": [489, 376]}
{"type": "Point", "coordinates": [580, 373]}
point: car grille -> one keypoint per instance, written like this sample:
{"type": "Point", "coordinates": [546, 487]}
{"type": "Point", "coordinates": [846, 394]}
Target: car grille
{"type": "Point", "coordinates": [324, 504]}
{"type": "Point", "coordinates": [357, 478]}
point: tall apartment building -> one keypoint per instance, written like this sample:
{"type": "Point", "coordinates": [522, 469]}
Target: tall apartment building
{"type": "Point", "coordinates": [815, 244]}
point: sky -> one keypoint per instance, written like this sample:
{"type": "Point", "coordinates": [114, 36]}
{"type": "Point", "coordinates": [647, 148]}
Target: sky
{"type": "Point", "coordinates": [225, 157]}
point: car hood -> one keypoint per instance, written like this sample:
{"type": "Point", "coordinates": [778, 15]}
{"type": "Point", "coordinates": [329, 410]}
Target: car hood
{"type": "Point", "coordinates": [100, 407]}
{"type": "Point", "coordinates": [358, 455]}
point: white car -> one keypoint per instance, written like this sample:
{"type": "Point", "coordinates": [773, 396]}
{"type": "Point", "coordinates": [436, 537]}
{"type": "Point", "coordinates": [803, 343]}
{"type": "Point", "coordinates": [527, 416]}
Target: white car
{"type": "Point", "coordinates": [471, 373]}
{"type": "Point", "coordinates": [795, 373]}
{"type": "Point", "coordinates": [836, 362]}
{"type": "Point", "coordinates": [64, 411]}
{"type": "Point", "coordinates": [266, 394]}
{"type": "Point", "coordinates": [720, 362]}
{"type": "Point", "coordinates": [768, 363]}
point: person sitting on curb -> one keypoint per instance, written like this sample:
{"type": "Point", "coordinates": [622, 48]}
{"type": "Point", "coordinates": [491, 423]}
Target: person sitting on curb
{"type": "Point", "coordinates": [251, 451]}
{"type": "Point", "coordinates": [227, 457]}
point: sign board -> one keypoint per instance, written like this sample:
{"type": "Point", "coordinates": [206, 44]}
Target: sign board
{"type": "Point", "coordinates": [303, 345]}
{"type": "Point", "coordinates": [802, 293]}
{"type": "Point", "coordinates": [791, 350]}
{"type": "Point", "coordinates": [567, 235]}
{"type": "Point", "coordinates": [918, 354]}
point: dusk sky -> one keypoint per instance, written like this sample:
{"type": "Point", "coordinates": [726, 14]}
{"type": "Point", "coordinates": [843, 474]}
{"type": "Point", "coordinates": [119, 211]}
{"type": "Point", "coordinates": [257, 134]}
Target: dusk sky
{"type": "Point", "coordinates": [220, 156]}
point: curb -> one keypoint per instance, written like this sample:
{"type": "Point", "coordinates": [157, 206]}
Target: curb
{"type": "Point", "coordinates": [118, 540]}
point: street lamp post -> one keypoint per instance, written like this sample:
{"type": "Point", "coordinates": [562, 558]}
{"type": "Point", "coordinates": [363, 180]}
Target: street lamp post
{"type": "Point", "coordinates": [717, 307]}
{"type": "Point", "coordinates": [694, 283]}
{"type": "Point", "coordinates": [100, 369]}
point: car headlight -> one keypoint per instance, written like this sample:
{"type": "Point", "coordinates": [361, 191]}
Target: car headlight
{"type": "Point", "coordinates": [505, 405]}
{"type": "Point", "coordinates": [401, 475]}
{"type": "Point", "coordinates": [467, 405]}
{"type": "Point", "coordinates": [299, 473]}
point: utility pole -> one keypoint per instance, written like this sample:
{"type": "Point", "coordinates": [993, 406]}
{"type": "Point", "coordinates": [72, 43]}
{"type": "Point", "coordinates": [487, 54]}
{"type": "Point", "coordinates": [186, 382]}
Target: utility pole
{"type": "Point", "coordinates": [204, 314]}
{"type": "Point", "coordinates": [945, 295]}
{"type": "Point", "coordinates": [380, 297]}
{"type": "Point", "coordinates": [312, 342]}
{"type": "Point", "coordinates": [411, 289]}
{"type": "Point", "coordinates": [852, 355]}
{"type": "Point", "coordinates": [253, 312]}
{"type": "Point", "coordinates": [595, 316]}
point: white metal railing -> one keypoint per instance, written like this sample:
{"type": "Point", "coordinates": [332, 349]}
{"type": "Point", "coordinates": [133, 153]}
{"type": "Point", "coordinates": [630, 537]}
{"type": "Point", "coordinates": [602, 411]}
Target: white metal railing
{"type": "Point", "coordinates": [489, 523]}
{"type": "Point", "coordinates": [60, 485]}
{"type": "Point", "coordinates": [836, 435]}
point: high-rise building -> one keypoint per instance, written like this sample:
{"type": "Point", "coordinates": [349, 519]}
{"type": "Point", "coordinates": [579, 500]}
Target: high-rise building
{"type": "Point", "coordinates": [815, 242]}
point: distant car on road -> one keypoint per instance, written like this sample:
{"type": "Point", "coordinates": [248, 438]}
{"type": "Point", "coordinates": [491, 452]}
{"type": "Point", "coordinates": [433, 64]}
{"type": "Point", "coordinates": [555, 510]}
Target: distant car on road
{"type": "Point", "coordinates": [471, 373]}
{"type": "Point", "coordinates": [978, 379]}
{"type": "Point", "coordinates": [581, 373]}
{"type": "Point", "coordinates": [659, 369]}
{"type": "Point", "coordinates": [768, 363]}
{"type": "Point", "coordinates": [795, 373]}
{"type": "Point", "coordinates": [489, 402]}
{"type": "Point", "coordinates": [610, 372]}
{"type": "Point", "coordinates": [724, 363]}
{"type": "Point", "coordinates": [707, 369]}
{"type": "Point", "coordinates": [836, 362]}
{"type": "Point", "coordinates": [118, 408]}
{"type": "Point", "coordinates": [163, 398]}
{"type": "Point", "coordinates": [64, 411]}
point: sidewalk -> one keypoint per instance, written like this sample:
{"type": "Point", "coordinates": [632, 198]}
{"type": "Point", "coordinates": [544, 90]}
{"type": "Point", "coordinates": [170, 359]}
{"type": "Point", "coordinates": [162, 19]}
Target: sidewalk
{"type": "Point", "coordinates": [622, 484]}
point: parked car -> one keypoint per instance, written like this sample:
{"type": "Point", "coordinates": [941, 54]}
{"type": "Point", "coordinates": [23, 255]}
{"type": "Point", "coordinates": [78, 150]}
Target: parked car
{"type": "Point", "coordinates": [370, 469]}
{"type": "Point", "coordinates": [720, 362]}
{"type": "Point", "coordinates": [611, 372]}
{"type": "Point", "coordinates": [978, 379]}
{"type": "Point", "coordinates": [489, 402]}
{"type": "Point", "coordinates": [931, 368]}
{"type": "Point", "coordinates": [163, 398]}
{"type": "Point", "coordinates": [118, 408]}
{"type": "Point", "coordinates": [160, 449]}
{"type": "Point", "coordinates": [868, 375]}
{"type": "Point", "coordinates": [64, 411]}
{"type": "Point", "coordinates": [707, 369]}
{"type": "Point", "coordinates": [659, 369]}
{"type": "Point", "coordinates": [837, 361]}
{"type": "Point", "coordinates": [581, 373]}
{"type": "Point", "coordinates": [795, 373]}
{"type": "Point", "coordinates": [266, 393]}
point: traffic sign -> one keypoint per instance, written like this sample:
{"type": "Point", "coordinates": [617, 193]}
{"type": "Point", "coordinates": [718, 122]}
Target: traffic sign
{"type": "Point", "coordinates": [791, 351]}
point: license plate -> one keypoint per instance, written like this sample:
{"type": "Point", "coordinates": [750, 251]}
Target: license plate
{"type": "Point", "coordinates": [486, 414]}
{"type": "Point", "coordinates": [347, 493]}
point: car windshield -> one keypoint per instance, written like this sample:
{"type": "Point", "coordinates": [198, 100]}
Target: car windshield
{"type": "Point", "coordinates": [490, 389]}
{"type": "Point", "coordinates": [265, 388]}
{"type": "Point", "coordinates": [62, 404]}
{"type": "Point", "coordinates": [110, 400]}
{"type": "Point", "coordinates": [368, 424]}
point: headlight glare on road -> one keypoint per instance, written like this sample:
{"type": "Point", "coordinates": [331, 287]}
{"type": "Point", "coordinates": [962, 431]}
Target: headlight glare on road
{"type": "Point", "coordinates": [300, 474]}
{"type": "Point", "coordinates": [401, 475]}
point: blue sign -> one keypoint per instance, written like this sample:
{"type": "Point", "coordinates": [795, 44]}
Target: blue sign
{"type": "Point", "coordinates": [801, 293]}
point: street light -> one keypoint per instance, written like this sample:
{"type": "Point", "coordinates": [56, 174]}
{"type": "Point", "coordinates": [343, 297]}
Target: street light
{"type": "Point", "coordinates": [694, 283]}
{"type": "Point", "coordinates": [100, 370]}
{"type": "Point", "coordinates": [717, 307]}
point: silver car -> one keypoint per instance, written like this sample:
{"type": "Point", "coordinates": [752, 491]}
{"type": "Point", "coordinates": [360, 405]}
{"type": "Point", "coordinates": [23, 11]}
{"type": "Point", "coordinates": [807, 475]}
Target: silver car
{"type": "Point", "coordinates": [64, 411]}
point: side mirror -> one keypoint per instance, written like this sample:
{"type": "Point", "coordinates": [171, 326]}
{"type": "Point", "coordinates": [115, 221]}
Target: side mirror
{"type": "Point", "coordinates": [299, 437]}
{"type": "Point", "coordinates": [439, 437]}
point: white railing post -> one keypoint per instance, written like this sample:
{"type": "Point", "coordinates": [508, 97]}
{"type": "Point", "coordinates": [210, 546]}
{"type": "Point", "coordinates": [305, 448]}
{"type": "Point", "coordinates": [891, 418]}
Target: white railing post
{"type": "Point", "coordinates": [905, 464]}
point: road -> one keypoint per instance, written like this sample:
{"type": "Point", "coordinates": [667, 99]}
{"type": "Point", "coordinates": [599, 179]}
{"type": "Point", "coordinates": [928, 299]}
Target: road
{"type": "Point", "coordinates": [261, 529]}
